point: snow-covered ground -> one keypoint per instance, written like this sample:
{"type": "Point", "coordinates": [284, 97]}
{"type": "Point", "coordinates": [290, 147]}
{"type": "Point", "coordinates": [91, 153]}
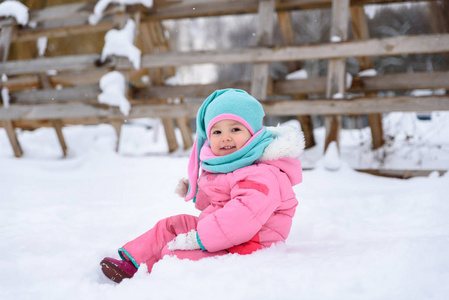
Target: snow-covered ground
{"type": "Point", "coordinates": [355, 236]}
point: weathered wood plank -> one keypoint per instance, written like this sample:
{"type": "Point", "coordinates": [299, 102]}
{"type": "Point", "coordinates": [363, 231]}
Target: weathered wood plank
{"type": "Point", "coordinates": [62, 28]}
{"type": "Point", "coordinates": [169, 129]}
{"type": "Point", "coordinates": [361, 31]}
{"type": "Point", "coordinates": [186, 132]}
{"type": "Point", "coordinates": [61, 63]}
{"type": "Point", "coordinates": [14, 141]}
{"type": "Point", "coordinates": [186, 91]}
{"type": "Point", "coordinates": [388, 82]}
{"type": "Point", "coordinates": [62, 21]}
{"type": "Point", "coordinates": [264, 37]}
{"type": "Point", "coordinates": [265, 26]}
{"type": "Point", "coordinates": [402, 82]}
{"type": "Point", "coordinates": [289, 38]}
{"type": "Point", "coordinates": [336, 77]}
{"type": "Point", "coordinates": [117, 125]}
{"type": "Point", "coordinates": [72, 19]}
{"type": "Point", "coordinates": [154, 40]}
{"type": "Point", "coordinates": [57, 125]}
{"type": "Point", "coordinates": [66, 11]}
{"type": "Point", "coordinates": [433, 43]}
{"type": "Point", "coordinates": [401, 174]}
{"type": "Point", "coordinates": [52, 95]}
{"type": "Point", "coordinates": [358, 106]}
{"type": "Point", "coordinates": [5, 41]}
{"type": "Point", "coordinates": [392, 82]}
{"type": "Point", "coordinates": [198, 8]}
{"type": "Point", "coordinates": [67, 79]}
{"type": "Point", "coordinates": [336, 69]}
{"type": "Point", "coordinates": [273, 108]}
{"type": "Point", "coordinates": [20, 83]}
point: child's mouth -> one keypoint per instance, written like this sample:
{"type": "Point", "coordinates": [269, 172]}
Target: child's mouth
{"type": "Point", "coordinates": [227, 147]}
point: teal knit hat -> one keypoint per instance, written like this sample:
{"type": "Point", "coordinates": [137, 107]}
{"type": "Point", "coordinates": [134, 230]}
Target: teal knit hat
{"type": "Point", "coordinates": [230, 104]}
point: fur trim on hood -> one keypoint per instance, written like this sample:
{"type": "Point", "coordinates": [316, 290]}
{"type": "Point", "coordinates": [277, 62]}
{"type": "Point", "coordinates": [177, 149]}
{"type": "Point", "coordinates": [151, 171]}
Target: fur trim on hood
{"type": "Point", "coordinates": [288, 143]}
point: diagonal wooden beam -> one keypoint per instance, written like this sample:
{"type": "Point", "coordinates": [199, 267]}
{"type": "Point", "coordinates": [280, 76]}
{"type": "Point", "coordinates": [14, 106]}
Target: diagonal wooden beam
{"type": "Point", "coordinates": [57, 125]}
{"type": "Point", "coordinates": [361, 32]}
{"type": "Point", "coordinates": [10, 131]}
{"type": "Point", "coordinates": [288, 36]}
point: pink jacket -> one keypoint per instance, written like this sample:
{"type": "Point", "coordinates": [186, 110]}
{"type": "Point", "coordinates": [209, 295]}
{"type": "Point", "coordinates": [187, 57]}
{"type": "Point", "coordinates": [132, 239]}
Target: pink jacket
{"type": "Point", "coordinates": [252, 207]}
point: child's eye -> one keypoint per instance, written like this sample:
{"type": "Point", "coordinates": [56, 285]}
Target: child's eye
{"type": "Point", "coordinates": [216, 132]}
{"type": "Point", "coordinates": [235, 129]}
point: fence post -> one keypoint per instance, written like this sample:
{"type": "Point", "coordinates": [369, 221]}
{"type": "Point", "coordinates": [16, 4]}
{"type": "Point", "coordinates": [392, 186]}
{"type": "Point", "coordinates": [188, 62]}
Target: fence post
{"type": "Point", "coordinates": [264, 36]}
{"type": "Point", "coordinates": [336, 71]}
{"type": "Point", "coordinates": [5, 43]}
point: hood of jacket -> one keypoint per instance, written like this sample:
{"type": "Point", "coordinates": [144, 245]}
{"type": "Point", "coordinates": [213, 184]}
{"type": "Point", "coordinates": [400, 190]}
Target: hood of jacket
{"type": "Point", "coordinates": [288, 142]}
{"type": "Point", "coordinates": [284, 151]}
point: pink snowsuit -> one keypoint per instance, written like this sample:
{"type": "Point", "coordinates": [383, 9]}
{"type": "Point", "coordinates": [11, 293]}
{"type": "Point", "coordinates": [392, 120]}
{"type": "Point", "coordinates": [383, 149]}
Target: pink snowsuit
{"type": "Point", "coordinates": [242, 211]}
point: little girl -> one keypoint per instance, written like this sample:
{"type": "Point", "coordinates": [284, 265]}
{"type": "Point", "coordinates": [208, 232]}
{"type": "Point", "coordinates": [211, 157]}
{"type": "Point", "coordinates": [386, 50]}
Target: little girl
{"type": "Point", "coordinates": [244, 190]}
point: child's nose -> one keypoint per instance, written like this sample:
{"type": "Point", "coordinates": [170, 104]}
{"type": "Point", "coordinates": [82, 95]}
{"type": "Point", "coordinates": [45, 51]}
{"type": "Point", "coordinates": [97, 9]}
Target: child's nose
{"type": "Point", "coordinates": [226, 137]}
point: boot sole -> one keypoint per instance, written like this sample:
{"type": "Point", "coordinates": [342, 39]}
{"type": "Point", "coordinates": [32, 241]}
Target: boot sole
{"type": "Point", "coordinates": [112, 271]}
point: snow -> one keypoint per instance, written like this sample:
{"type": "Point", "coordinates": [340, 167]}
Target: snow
{"type": "Point", "coordinates": [421, 92]}
{"type": "Point", "coordinates": [299, 74]}
{"type": "Point", "coordinates": [5, 96]}
{"type": "Point", "coordinates": [338, 96]}
{"type": "Point", "coordinates": [52, 72]}
{"type": "Point", "coordinates": [368, 73]}
{"type": "Point", "coordinates": [335, 39]}
{"type": "Point", "coordinates": [349, 79]}
{"type": "Point", "coordinates": [14, 9]}
{"type": "Point", "coordinates": [101, 5]}
{"type": "Point", "coordinates": [331, 160]}
{"type": "Point", "coordinates": [42, 45]}
{"type": "Point", "coordinates": [173, 80]}
{"type": "Point", "coordinates": [354, 236]}
{"type": "Point", "coordinates": [121, 43]}
{"type": "Point", "coordinates": [113, 86]}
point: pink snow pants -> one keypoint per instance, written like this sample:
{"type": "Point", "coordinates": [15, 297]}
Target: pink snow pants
{"type": "Point", "coordinates": [152, 246]}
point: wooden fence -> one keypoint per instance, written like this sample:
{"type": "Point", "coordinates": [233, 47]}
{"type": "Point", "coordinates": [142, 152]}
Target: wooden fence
{"type": "Point", "coordinates": [35, 101]}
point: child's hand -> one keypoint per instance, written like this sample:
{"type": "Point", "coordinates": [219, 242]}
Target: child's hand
{"type": "Point", "coordinates": [182, 187]}
{"type": "Point", "coordinates": [184, 241]}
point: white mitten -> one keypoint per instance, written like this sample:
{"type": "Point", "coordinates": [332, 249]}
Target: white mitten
{"type": "Point", "coordinates": [184, 241]}
{"type": "Point", "coordinates": [182, 187]}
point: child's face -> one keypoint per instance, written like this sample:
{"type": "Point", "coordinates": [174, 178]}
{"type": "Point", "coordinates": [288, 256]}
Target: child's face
{"type": "Point", "coordinates": [228, 136]}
